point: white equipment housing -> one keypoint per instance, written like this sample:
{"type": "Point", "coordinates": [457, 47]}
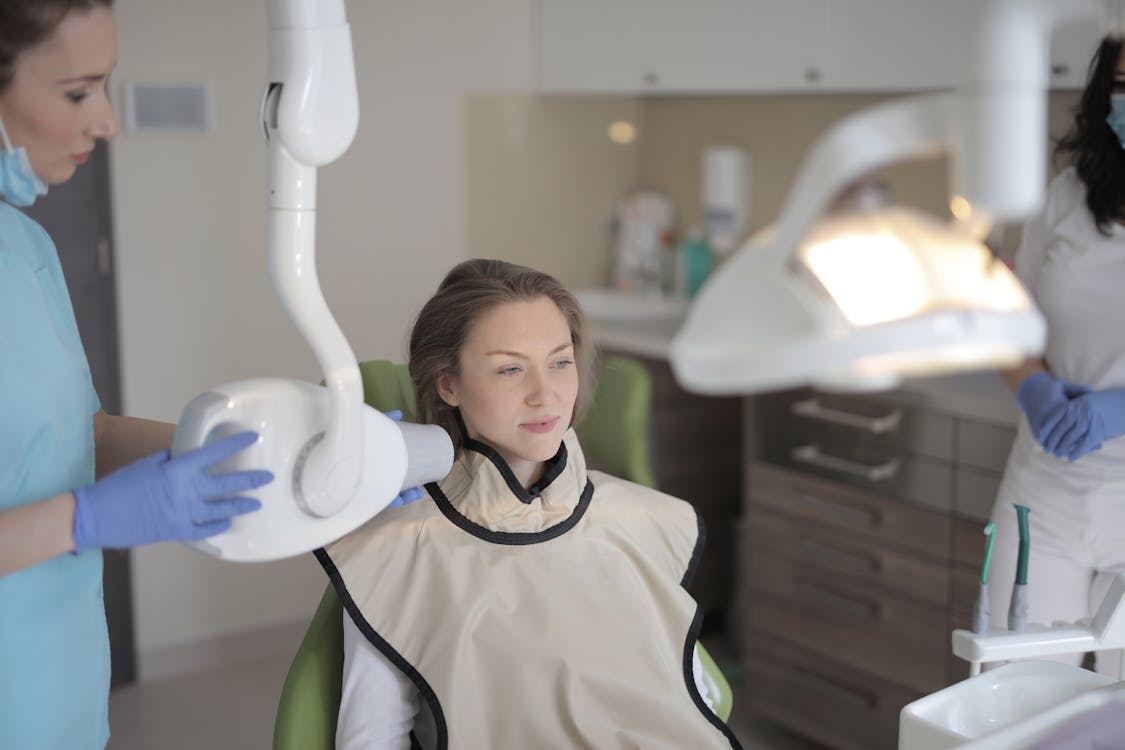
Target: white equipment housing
{"type": "Point", "coordinates": [336, 462]}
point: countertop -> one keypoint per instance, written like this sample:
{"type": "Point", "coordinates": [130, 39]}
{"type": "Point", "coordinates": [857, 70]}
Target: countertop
{"type": "Point", "coordinates": [645, 327]}
{"type": "Point", "coordinates": [977, 395]}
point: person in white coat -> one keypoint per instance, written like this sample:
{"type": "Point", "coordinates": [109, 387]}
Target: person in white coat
{"type": "Point", "coordinates": [1068, 461]}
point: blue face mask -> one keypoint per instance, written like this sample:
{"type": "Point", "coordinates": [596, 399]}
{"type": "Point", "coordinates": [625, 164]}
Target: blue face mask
{"type": "Point", "coordinates": [18, 183]}
{"type": "Point", "coordinates": [1116, 117]}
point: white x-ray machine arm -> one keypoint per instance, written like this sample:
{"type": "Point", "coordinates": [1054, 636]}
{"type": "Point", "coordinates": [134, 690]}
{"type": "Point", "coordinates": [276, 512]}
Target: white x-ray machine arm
{"type": "Point", "coordinates": [336, 461]}
{"type": "Point", "coordinates": [310, 113]}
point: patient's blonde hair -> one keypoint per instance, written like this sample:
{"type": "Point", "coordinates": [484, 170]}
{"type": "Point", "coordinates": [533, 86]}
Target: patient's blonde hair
{"type": "Point", "coordinates": [467, 292]}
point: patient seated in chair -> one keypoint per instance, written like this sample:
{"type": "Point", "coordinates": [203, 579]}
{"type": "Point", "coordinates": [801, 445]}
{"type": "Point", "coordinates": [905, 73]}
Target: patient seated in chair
{"type": "Point", "coordinates": [525, 602]}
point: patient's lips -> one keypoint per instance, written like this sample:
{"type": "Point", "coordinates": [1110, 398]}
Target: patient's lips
{"type": "Point", "coordinates": [541, 426]}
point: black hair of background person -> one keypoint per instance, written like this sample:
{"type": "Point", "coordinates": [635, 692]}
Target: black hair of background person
{"type": "Point", "coordinates": [1091, 144]}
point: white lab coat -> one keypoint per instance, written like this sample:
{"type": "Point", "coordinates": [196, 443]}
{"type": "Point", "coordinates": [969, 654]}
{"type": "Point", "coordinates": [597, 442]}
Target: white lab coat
{"type": "Point", "coordinates": [1077, 519]}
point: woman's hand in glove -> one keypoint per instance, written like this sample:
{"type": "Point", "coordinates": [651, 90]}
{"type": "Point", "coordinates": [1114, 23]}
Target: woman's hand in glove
{"type": "Point", "coordinates": [160, 498]}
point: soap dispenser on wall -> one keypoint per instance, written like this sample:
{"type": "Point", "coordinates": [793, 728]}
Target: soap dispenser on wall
{"type": "Point", "coordinates": [726, 197]}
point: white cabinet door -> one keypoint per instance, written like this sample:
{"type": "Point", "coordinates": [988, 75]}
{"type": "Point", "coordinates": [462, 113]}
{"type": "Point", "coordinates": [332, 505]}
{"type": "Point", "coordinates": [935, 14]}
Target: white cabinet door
{"type": "Point", "coordinates": [792, 46]}
{"type": "Point", "coordinates": [681, 46]}
{"type": "Point", "coordinates": [906, 45]}
{"type": "Point", "coordinates": [625, 46]}
{"type": "Point", "coordinates": [763, 46]}
{"type": "Point", "coordinates": [1072, 47]}
{"type": "Point", "coordinates": [899, 45]}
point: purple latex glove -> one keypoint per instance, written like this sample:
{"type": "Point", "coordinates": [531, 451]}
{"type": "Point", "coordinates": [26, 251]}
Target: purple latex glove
{"type": "Point", "coordinates": [1090, 420]}
{"type": "Point", "coordinates": [410, 494]}
{"type": "Point", "coordinates": [161, 498]}
{"type": "Point", "coordinates": [1044, 399]}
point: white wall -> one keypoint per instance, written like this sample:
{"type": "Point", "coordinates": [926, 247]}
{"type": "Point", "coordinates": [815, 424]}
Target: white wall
{"type": "Point", "coordinates": [544, 180]}
{"type": "Point", "coordinates": [196, 307]}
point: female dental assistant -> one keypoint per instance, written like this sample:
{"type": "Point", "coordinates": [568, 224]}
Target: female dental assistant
{"type": "Point", "coordinates": [1068, 461]}
{"type": "Point", "coordinates": [55, 57]}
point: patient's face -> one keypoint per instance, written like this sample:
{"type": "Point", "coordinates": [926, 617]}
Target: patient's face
{"type": "Point", "coordinates": [518, 383]}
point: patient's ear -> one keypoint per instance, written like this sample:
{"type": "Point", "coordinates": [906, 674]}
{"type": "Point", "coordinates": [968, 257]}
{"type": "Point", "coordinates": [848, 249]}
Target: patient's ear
{"type": "Point", "coordinates": [447, 389]}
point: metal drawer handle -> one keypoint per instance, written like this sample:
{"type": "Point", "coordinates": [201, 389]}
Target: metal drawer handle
{"type": "Point", "coordinates": [811, 455]}
{"type": "Point", "coordinates": [839, 511]}
{"type": "Point", "coordinates": [838, 601]}
{"type": "Point", "coordinates": [813, 409]}
{"type": "Point", "coordinates": [860, 698]}
{"type": "Point", "coordinates": [837, 557]}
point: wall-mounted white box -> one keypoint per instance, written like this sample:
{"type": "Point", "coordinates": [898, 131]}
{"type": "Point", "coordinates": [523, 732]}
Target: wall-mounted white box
{"type": "Point", "coordinates": [165, 107]}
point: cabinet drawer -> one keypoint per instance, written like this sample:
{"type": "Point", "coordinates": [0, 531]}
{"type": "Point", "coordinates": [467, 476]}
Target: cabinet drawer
{"type": "Point", "coordinates": [969, 543]}
{"type": "Point", "coordinates": [667, 390]}
{"type": "Point", "coordinates": [984, 445]}
{"type": "Point", "coordinates": [820, 698]}
{"type": "Point", "coordinates": [871, 421]}
{"type": "Point", "coordinates": [694, 439]}
{"type": "Point", "coordinates": [975, 493]}
{"type": "Point", "coordinates": [966, 586]}
{"type": "Point", "coordinates": [958, 669]}
{"type": "Point", "coordinates": [883, 469]}
{"type": "Point", "coordinates": [877, 517]}
{"type": "Point", "coordinates": [896, 638]}
{"type": "Point", "coordinates": [835, 555]}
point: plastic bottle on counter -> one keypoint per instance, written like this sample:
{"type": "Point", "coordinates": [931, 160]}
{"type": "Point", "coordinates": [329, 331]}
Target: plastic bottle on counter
{"type": "Point", "coordinates": [726, 197]}
{"type": "Point", "coordinates": [695, 254]}
{"type": "Point", "coordinates": [644, 229]}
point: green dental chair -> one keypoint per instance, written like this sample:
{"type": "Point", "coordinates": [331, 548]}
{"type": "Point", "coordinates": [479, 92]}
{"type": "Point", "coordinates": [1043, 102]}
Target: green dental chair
{"type": "Point", "coordinates": [614, 438]}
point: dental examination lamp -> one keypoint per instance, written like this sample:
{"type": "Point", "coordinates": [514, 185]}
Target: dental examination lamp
{"type": "Point", "coordinates": [336, 462]}
{"type": "Point", "coordinates": [861, 299]}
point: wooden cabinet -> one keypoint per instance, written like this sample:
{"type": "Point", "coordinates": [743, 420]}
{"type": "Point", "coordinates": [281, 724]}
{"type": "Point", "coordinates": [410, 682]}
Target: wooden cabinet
{"type": "Point", "coordinates": [762, 46]}
{"type": "Point", "coordinates": [858, 552]}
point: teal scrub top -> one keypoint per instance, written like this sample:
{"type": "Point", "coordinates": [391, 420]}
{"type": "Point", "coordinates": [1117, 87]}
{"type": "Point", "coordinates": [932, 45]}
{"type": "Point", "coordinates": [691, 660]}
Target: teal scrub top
{"type": "Point", "coordinates": [54, 647]}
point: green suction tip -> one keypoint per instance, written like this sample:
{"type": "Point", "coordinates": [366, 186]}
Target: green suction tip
{"type": "Point", "coordinates": [990, 532]}
{"type": "Point", "coordinates": [1021, 562]}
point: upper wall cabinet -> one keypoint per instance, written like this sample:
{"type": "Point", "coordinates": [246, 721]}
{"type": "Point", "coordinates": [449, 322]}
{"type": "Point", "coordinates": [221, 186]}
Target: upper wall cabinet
{"type": "Point", "coordinates": [1072, 46]}
{"type": "Point", "coordinates": [668, 46]}
{"type": "Point", "coordinates": [762, 46]}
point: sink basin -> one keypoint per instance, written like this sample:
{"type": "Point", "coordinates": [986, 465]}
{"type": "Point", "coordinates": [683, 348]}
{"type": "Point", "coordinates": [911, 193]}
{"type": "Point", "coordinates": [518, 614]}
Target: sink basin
{"type": "Point", "coordinates": [633, 323]}
{"type": "Point", "coordinates": [610, 306]}
{"type": "Point", "coordinates": [990, 702]}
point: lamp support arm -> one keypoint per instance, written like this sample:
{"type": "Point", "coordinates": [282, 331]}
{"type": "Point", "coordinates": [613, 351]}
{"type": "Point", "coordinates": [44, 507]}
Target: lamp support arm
{"type": "Point", "coordinates": [914, 126]}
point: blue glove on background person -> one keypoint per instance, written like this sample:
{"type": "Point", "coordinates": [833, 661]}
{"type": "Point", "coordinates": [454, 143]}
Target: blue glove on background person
{"type": "Point", "coordinates": [1044, 399]}
{"type": "Point", "coordinates": [1090, 420]}
{"type": "Point", "coordinates": [410, 494]}
{"type": "Point", "coordinates": [161, 498]}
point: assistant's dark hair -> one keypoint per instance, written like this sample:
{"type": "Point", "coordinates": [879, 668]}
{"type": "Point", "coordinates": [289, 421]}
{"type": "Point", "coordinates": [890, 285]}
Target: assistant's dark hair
{"type": "Point", "coordinates": [26, 23]}
{"type": "Point", "coordinates": [1091, 145]}
{"type": "Point", "coordinates": [466, 293]}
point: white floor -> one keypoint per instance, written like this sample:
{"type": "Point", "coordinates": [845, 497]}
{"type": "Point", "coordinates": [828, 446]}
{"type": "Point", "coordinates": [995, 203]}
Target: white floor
{"type": "Point", "coordinates": [233, 707]}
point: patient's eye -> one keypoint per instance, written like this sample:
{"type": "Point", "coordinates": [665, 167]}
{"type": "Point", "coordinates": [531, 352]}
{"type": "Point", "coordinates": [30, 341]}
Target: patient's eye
{"type": "Point", "coordinates": [564, 363]}
{"type": "Point", "coordinates": [509, 370]}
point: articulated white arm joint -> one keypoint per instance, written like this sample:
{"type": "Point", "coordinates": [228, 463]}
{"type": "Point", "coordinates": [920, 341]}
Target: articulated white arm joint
{"type": "Point", "coordinates": [310, 113]}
